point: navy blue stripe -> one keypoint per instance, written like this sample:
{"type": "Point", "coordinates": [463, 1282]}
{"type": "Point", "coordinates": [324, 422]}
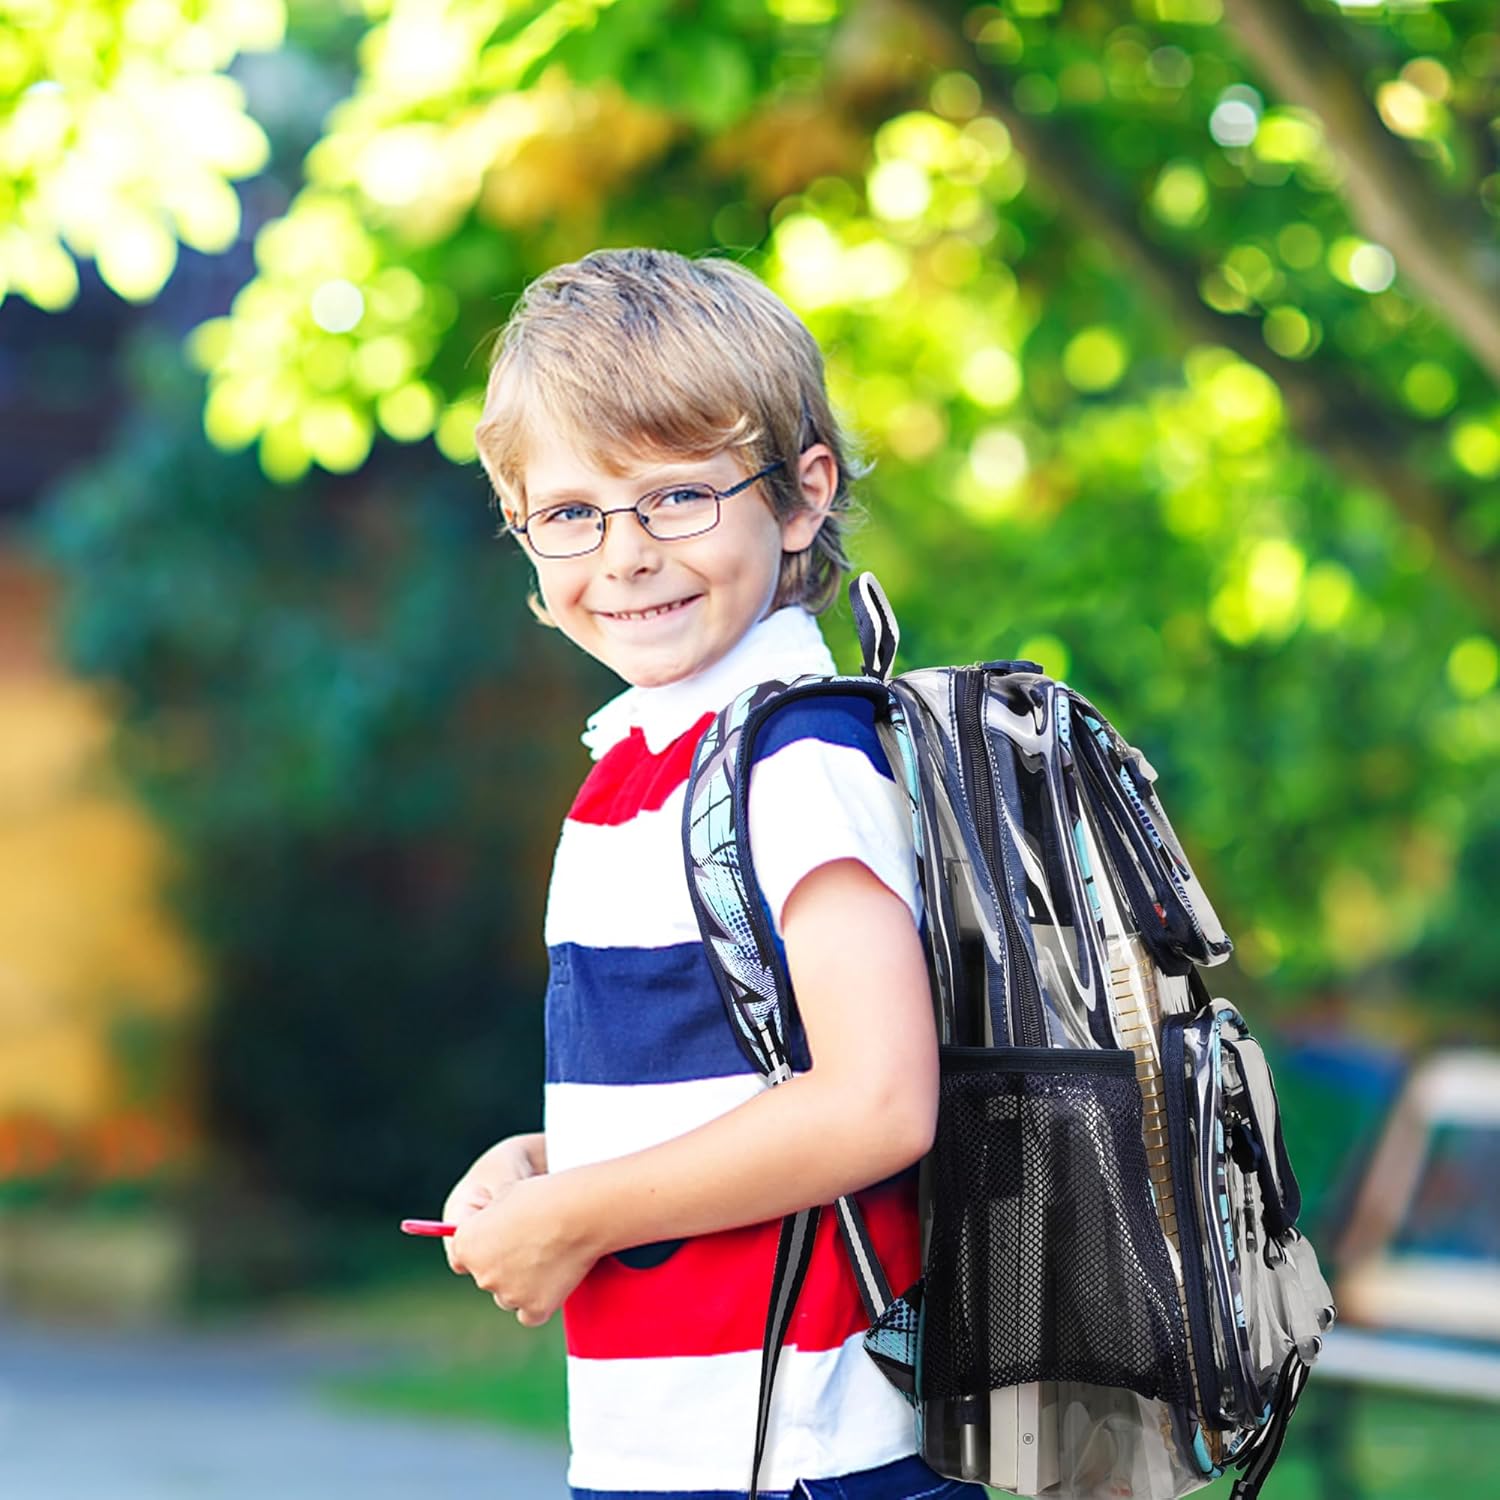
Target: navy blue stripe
{"type": "Point", "coordinates": [835, 721]}
{"type": "Point", "coordinates": [653, 1015]}
{"type": "Point", "coordinates": [638, 1015]}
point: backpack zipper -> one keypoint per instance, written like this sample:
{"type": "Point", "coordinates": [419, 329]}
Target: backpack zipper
{"type": "Point", "coordinates": [1028, 1028]}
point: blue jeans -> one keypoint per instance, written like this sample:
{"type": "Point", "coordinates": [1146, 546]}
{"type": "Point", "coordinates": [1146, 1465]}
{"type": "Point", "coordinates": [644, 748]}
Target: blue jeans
{"type": "Point", "coordinates": [905, 1479]}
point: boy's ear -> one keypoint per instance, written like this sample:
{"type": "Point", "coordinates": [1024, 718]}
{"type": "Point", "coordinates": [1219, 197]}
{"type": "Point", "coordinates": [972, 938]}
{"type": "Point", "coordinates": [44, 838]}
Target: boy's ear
{"type": "Point", "coordinates": [817, 477]}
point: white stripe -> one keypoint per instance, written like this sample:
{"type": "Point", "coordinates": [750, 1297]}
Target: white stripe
{"type": "Point", "coordinates": [786, 644]}
{"type": "Point", "coordinates": [622, 885]}
{"type": "Point", "coordinates": [689, 1423]}
{"type": "Point", "coordinates": [589, 1122]}
{"type": "Point", "coordinates": [841, 808]}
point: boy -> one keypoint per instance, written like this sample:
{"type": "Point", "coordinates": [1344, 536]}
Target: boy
{"type": "Point", "coordinates": [658, 435]}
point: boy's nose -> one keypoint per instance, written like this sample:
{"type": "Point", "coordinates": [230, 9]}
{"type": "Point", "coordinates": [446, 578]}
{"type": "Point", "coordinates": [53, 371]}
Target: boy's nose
{"type": "Point", "coordinates": [627, 546]}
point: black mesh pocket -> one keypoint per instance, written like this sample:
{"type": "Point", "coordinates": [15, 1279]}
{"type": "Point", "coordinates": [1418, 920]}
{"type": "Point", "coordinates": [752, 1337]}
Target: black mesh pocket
{"type": "Point", "coordinates": [1046, 1261]}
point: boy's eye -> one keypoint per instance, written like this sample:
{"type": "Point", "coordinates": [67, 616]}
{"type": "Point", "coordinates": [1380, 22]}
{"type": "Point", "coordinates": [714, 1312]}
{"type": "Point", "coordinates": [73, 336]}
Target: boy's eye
{"type": "Point", "coordinates": [564, 515]}
{"type": "Point", "coordinates": [688, 494]}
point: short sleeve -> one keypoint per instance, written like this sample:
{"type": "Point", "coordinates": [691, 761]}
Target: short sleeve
{"type": "Point", "coordinates": [821, 789]}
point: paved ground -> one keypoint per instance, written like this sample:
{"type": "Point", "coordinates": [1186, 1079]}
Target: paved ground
{"type": "Point", "coordinates": [91, 1416]}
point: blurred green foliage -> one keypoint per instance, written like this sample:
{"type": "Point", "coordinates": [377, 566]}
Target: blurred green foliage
{"type": "Point", "coordinates": [1171, 379]}
{"type": "Point", "coordinates": [120, 135]}
{"type": "Point", "coordinates": [327, 697]}
{"type": "Point", "coordinates": [1148, 399]}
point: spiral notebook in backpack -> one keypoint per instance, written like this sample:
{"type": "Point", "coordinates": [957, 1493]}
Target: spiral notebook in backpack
{"type": "Point", "coordinates": [1115, 1298]}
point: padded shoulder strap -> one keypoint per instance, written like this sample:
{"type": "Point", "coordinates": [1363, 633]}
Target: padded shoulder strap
{"type": "Point", "coordinates": [752, 981]}
{"type": "Point", "coordinates": [723, 889]}
{"type": "Point", "coordinates": [726, 896]}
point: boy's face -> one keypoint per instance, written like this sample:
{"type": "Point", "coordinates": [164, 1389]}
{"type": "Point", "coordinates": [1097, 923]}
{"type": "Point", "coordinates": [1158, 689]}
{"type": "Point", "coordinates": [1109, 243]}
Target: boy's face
{"type": "Point", "coordinates": [710, 589]}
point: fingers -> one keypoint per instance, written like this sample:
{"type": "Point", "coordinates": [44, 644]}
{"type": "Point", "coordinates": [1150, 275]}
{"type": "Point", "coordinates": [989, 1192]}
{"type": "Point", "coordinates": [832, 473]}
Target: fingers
{"type": "Point", "coordinates": [467, 1199]}
{"type": "Point", "coordinates": [505, 1162]}
{"type": "Point", "coordinates": [455, 1260]}
{"type": "Point", "coordinates": [526, 1317]}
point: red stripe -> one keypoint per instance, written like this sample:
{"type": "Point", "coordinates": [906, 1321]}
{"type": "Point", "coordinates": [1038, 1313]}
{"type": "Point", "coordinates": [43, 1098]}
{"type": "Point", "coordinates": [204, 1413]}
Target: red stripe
{"type": "Point", "coordinates": [629, 779]}
{"type": "Point", "coordinates": [711, 1296]}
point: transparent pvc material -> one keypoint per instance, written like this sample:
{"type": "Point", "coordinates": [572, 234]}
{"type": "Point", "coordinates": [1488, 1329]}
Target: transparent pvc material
{"type": "Point", "coordinates": [1064, 1440]}
{"type": "Point", "coordinates": [1068, 1440]}
{"type": "Point", "coordinates": [1287, 1303]}
{"type": "Point", "coordinates": [1057, 1438]}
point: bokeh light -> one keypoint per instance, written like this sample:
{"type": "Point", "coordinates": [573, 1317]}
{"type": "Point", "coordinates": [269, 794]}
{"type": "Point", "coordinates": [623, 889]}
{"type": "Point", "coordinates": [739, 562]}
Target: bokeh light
{"type": "Point", "coordinates": [337, 306]}
{"type": "Point", "coordinates": [1474, 666]}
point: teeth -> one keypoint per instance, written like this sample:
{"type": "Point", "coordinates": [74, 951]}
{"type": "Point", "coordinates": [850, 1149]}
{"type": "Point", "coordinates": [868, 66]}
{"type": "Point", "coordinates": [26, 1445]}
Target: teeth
{"type": "Point", "coordinates": [646, 614]}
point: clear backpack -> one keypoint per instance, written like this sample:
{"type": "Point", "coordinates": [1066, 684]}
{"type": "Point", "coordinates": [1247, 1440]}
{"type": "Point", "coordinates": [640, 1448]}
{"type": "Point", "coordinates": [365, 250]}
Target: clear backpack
{"type": "Point", "coordinates": [1115, 1299]}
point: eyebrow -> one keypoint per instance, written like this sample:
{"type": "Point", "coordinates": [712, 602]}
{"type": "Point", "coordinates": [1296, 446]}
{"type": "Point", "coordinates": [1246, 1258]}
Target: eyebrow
{"type": "Point", "coordinates": [668, 474]}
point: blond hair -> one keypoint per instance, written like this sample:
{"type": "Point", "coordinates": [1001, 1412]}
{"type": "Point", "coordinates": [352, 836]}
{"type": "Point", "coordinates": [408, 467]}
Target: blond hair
{"type": "Point", "coordinates": [635, 353]}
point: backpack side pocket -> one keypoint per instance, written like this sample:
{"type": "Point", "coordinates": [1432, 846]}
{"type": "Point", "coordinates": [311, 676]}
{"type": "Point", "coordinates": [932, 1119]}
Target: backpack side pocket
{"type": "Point", "coordinates": [1046, 1260]}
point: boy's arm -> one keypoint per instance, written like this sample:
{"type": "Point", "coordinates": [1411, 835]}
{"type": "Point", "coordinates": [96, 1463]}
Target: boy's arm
{"type": "Point", "coordinates": [508, 1160]}
{"type": "Point", "coordinates": [866, 1109]}
{"type": "Point", "coordinates": [534, 1144]}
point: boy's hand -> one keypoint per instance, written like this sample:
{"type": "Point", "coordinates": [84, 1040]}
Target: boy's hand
{"type": "Point", "coordinates": [520, 1250]}
{"type": "Point", "coordinates": [504, 1164]}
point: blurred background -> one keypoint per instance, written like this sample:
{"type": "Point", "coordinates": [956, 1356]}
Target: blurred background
{"type": "Point", "coordinates": [1172, 328]}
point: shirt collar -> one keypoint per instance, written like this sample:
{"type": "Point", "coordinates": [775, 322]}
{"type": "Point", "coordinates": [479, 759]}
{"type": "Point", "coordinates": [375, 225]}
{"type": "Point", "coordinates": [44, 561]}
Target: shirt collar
{"type": "Point", "coordinates": [782, 646]}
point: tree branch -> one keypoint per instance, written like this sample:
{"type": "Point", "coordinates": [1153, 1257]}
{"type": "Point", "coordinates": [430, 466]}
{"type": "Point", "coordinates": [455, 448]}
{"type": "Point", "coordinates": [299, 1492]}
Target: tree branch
{"type": "Point", "coordinates": [1327, 404]}
{"type": "Point", "coordinates": [1437, 239]}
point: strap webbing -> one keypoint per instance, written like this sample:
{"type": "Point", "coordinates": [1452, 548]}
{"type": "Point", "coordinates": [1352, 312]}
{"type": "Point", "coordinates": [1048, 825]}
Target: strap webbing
{"type": "Point", "coordinates": [793, 1256]}
{"type": "Point", "coordinates": [1265, 1447]}
{"type": "Point", "coordinates": [874, 1289]}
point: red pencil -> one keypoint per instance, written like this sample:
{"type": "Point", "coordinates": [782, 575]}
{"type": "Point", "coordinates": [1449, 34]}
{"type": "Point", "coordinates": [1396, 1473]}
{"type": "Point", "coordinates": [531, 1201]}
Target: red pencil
{"type": "Point", "coordinates": [426, 1226]}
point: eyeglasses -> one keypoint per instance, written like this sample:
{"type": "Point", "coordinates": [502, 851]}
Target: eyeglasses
{"type": "Point", "coordinates": [669, 514]}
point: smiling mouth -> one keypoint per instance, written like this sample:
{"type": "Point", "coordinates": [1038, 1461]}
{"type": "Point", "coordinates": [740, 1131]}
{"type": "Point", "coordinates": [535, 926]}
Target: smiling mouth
{"type": "Point", "coordinates": [648, 614]}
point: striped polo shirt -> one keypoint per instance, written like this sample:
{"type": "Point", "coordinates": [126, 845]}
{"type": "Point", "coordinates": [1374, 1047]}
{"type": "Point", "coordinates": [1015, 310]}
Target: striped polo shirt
{"type": "Point", "coordinates": [664, 1341]}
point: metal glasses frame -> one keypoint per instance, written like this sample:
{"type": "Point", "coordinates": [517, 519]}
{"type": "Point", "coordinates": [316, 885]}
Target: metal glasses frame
{"type": "Point", "coordinates": [600, 513]}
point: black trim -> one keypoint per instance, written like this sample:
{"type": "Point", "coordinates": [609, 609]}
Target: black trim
{"type": "Point", "coordinates": [1170, 932]}
{"type": "Point", "coordinates": [1179, 1142]}
{"type": "Point", "coordinates": [710, 745]}
{"type": "Point", "coordinates": [1279, 1208]}
{"type": "Point", "coordinates": [1038, 1059]}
